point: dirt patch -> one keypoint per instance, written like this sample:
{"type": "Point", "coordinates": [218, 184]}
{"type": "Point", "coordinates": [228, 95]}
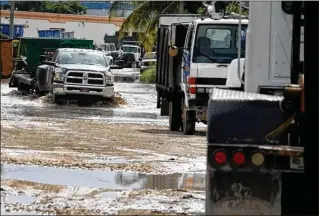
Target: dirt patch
{"type": "Point", "coordinates": [105, 139]}
{"type": "Point", "coordinates": [19, 184]}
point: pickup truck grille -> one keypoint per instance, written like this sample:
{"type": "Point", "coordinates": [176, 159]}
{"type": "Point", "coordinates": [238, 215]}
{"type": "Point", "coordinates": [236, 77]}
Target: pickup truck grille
{"type": "Point", "coordinates": [85, 78]}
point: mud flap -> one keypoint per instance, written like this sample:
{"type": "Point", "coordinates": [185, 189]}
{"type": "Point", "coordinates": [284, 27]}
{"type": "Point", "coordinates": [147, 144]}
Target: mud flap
{"type": "Point", "coordinates": [243, 193]}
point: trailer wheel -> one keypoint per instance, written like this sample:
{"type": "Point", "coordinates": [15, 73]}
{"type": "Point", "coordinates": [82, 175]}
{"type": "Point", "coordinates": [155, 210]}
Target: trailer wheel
{"type": "Point", "coordinates": [175, 115]}
{"type": "Point", "coordinates": [188, 120]}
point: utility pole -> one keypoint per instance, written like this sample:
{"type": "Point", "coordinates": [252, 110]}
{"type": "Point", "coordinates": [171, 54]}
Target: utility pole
{"type": "Point", "coordinates": [11, 34]}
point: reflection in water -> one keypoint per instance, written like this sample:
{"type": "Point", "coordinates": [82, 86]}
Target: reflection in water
{"type": "Point", "coordinates": [103, 179]}
{"type": "Point", "coordinates": [161, 182]}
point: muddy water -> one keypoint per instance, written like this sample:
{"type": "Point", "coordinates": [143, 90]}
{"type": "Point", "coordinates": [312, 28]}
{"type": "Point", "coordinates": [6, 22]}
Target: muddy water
{"type": "Point", "coordinates": [103, 179]}
{"type": "Point", "coordinates": [140, 106]}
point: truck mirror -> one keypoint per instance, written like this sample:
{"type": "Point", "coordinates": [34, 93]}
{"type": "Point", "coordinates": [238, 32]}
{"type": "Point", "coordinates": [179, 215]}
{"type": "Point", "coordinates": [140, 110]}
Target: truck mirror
{"type": "Point", "coordinates": [173, 51]}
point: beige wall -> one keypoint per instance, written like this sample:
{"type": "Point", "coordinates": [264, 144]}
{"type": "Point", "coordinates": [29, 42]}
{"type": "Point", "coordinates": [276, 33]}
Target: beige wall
{"type": "Point", "coordinates": [89, 27]}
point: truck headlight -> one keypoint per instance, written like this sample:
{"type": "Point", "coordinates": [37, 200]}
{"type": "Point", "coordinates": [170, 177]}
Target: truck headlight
{"type": "Point", "coordinates": [109, 77]}
{"type": "Point", "coordinates": [59, 74]}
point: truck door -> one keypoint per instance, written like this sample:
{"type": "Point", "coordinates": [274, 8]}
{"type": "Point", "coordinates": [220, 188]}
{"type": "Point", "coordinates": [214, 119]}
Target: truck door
{"type": "Point", "coordinates": [187, 54]}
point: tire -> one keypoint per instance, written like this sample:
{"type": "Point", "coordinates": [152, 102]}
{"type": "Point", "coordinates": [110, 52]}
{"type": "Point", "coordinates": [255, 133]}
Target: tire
{"type": "Point", "coordinates": [59, 100]}
{"type": "Point", "coordinates": [188, 125]}
{"type": "Point", "coordinates": [85, 102]}
{"type": "Point", "coordinates": [175, 115]}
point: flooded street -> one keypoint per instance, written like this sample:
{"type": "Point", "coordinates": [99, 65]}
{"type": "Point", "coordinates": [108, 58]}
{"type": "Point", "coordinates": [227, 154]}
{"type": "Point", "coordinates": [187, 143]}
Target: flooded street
{"type": "Point", "coordinates": [115, 158]}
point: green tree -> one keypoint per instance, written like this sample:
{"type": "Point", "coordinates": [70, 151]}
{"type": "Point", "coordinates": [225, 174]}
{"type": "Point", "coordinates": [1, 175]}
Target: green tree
{"type": "Point", "coordinates": [145, 16]}
{"type": "Point", "coordinates": [64, 7]}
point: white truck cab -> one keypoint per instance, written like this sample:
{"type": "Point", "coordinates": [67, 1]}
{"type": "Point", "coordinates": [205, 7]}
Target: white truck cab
{"type": "Point", "coordinates": [128, 48]}
{"type": "Point", "coordinates": [210, 47]}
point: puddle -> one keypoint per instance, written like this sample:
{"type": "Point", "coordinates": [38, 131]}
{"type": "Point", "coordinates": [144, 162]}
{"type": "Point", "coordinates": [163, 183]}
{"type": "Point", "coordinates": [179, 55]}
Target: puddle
{"type": "Point", "coordinates": [24, 199]}
{"type": "Point", "coordinates": [104, 179]}
{"type": "Point", "coordinates": [140, 107]}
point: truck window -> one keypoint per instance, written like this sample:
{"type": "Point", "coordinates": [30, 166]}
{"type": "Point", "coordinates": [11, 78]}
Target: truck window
{"type": "Point", "coordinates": [243, 38]}
{"type": "Point", "coordinates": [219, 38]}
{"type": "Point", "coordinates": [216, 43]}
{"type": "Point", "coordinates": [112, 46]}
{"type": "Point", "coordinates": [129, 49]}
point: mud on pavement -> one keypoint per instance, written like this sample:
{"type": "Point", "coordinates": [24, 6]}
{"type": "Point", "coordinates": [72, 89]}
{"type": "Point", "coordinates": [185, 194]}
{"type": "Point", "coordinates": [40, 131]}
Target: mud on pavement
{"type": "Point", "coordinates": [72, 163]}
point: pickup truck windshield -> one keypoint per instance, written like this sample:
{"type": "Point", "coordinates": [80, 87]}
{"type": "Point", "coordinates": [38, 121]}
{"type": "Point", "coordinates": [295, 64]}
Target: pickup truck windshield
{"type": "Point", "coordinates": [112, 47]}
{"type": "Point", "coordinates": [217, 43]}
{"type": "Point", "coordinates": [87, 58]}
{"type": "Point", "coordinates": [129, 49]}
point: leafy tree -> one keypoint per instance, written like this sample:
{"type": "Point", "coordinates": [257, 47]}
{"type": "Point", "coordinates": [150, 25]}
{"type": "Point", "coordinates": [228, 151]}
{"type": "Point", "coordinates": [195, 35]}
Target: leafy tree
{"type": "Point", "coordinates": [64, 7]}
{"type": "Point", "coordinates": [145, 16]}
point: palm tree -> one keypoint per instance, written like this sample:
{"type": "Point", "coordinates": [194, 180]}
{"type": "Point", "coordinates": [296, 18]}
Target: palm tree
{"type": "Point", "coordinates": [145, 17]}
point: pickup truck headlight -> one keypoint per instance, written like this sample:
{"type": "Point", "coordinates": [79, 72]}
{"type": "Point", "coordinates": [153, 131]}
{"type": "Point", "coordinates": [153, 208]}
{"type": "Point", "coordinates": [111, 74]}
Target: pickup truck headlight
{"type": "Point", "coordinates": [109, 77]}
{"type": "Point", "coordinates": [59, 74]}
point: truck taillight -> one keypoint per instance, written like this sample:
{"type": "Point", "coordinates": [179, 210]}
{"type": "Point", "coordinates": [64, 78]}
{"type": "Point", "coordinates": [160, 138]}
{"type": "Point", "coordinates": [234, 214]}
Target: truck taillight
{"type": "Point", "coordinates": [220, 157]}
{"type": "Point", "coordinates": [191, 81]}
{"type": "Point", "coordinates": [239, 158]}
{"type": "Point", "coordinates": [192, 90]}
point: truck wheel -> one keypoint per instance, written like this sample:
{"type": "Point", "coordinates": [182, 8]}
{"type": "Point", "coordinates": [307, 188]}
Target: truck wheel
{"type": "Point", "coordinates": [59, 100]}
{"type": "Point", "coordinates": [188, 120]}
{"type": "Point", "coordinates": [175, 115]}
{"type": "Point", "coordinates": [85, 102]}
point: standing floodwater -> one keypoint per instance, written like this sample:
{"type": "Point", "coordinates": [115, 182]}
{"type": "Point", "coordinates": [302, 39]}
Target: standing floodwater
{"type": "Point", "coordinates": [139, 107]}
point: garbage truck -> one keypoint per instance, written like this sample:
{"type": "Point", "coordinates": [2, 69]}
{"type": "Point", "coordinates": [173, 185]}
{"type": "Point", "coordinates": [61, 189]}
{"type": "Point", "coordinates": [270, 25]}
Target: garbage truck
{"type": "Point", "coordinates": [257, 136]}
{"type": "Point", "coordinates": [194, 54]}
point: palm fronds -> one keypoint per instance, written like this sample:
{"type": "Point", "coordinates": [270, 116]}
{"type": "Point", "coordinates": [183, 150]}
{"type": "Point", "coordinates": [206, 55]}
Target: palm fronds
{"type": "Point", "coordinates": [144, 18]}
